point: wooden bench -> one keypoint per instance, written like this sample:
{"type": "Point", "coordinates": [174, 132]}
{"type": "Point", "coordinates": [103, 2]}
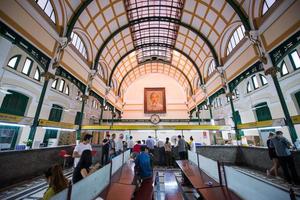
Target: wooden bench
{"type": "Point", "coordinates": [146, 190]}
{"type": "Point", "coordinates": [121, 186]}
{"type": "Point", "coordinates": [200, 180]}
{"type": "Point", "coordinates": [172, 190]}
{"type": "Point", "coordinates": [197, 177]}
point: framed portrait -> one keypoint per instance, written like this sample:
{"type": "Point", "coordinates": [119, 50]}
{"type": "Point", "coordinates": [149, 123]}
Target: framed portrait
{"type": "Point", "coordinates": [154, 100]}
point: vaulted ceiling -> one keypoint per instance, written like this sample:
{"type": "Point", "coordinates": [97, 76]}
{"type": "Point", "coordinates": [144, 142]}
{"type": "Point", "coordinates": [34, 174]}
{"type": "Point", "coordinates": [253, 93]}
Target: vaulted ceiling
{"type": "Point", "coordinates": [136, 37]}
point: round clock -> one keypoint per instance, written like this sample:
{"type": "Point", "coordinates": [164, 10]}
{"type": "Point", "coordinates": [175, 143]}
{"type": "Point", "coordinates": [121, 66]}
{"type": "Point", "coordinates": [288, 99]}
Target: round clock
{"type": "Point", "coordinates": [155, 119]}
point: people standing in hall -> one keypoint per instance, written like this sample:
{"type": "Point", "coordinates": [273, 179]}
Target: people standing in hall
{"type": "Point", "coordinates": [130, 143]}
{"type": "Point", "coordinates": [136, 149]}
{"type": "Point", "coordinates": [282, 147]}
{"type": "Point", "coordinates": [119, 144]}
{"type": "Point", "coordinates": [192, 144]}
{"type": "Point", "coordinates": [105, 150]}
{"type": "Point", "coordinates": [113, 143]}
{"type": "Point", "coordinates": [150, 144]}
{"type": "Point", "coordinates": [56, 180]}
{"type": "Point", "coordinates": [181, 148]}
{"type": "Point", "coordinates": [168, 152]}
{"type": "Point", "coordinates": [144, 164]}
{"type": "Point", "coordinates": [273, 157]}
{"type": "Point", "coordinates": [83, 168]}
{"type": "Point", "coordinates": [161, 152]}
{"type": "Point", "coordinates": [85, 144]}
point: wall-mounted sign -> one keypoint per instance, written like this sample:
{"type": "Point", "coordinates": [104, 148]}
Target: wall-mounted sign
{"type": "Point", "coordinates": [47, 123]}
{"type": "Point", "coordinates": [15, 119]}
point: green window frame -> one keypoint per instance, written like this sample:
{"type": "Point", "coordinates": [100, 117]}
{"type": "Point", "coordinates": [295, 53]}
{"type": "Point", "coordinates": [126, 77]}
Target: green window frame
{"type": "Point", "coordinates": [14, 62]}
{"type": "Point", "coordinates": [297, 97]}
{"type": "Point", "coordinates": [262, 112]}
{"type": "Point", "coordinates": [296, 64]}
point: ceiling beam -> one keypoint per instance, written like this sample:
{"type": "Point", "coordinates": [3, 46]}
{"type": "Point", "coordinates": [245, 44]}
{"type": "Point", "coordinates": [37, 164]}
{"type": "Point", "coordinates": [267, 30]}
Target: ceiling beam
{"type": "Point", "coordinates": [153, 44]}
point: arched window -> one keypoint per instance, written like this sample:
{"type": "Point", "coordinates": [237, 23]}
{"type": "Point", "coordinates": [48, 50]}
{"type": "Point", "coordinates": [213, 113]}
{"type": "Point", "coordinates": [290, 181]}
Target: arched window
{"type": "Point", "coordinates": [263, 79]}
{"type": "Point", "coordinates": [262, 112]}
{"type": "Point", "coordinates": [249, 87]}
{"type": "Point", "coordinates": [211, 68]}
{"type": "Point", "coordinates": [235, 38]}
{"type": "Point", "coordinates": [79, 45]}
{"type": "Point", "coordinates": [14, 61]}
{"type": "Point", "coordinates": [47, 7]}
{"type": "Point", "coordinates": [267, 5]}
{"type": "Point", "coordinates": [295, 59]}
{"type": "Point", "coordinates": [37, 74]}
{"type": "Point", "coordinates": [283, 69]}
{"type": "Point", "coordinates": [67, 90]}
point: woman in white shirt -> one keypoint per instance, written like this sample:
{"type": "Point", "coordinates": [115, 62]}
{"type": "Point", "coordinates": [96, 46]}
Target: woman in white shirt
{"type": "Point", "coordinates": [192, 144]}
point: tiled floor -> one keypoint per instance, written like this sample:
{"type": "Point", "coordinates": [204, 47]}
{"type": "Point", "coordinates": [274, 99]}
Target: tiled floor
{"type": "Point", "coordinates": [30, 189]}
{"type": "Point", "coordinates": [263, 176]}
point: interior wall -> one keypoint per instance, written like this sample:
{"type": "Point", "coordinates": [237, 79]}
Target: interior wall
{"type": "Point", "coordinates": [175, 97]}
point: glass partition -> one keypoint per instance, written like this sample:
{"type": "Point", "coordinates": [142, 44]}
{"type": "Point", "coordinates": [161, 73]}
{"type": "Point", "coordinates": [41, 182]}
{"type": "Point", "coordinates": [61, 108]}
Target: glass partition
{"type": "Point", "coordinates": [193, 157]}
{"type": "Point", "coordinates": [251, 188]}
{"type": "Point", "coordinates": [210, 167]}
{"type": "Point", "coordinates": [126, 156]}
{"type": "Point", "coordinates": [116, 162]}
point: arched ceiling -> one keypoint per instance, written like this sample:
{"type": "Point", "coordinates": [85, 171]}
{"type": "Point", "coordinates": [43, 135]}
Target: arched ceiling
{"type": "Point", "coordinates": [152, 30]}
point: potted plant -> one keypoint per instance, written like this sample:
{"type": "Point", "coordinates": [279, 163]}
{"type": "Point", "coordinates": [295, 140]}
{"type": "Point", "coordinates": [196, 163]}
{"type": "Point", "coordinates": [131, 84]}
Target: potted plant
{"type": "Point", "coordinates": [28, 143]}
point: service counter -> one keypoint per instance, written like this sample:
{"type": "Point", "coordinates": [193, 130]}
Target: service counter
{"type": "Point", "coordinates": [252, 157]}
{"type": "Point", "coordinates": [21, 165]}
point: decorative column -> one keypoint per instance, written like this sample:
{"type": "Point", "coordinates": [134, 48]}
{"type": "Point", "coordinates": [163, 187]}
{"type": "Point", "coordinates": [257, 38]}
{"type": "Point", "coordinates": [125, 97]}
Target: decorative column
{"type": "Point", "coordinates": [272, 70]}
{"type": "Point", "coordinates": [84, 99]}
{"type": "Point", "coordinates": [48, 74]}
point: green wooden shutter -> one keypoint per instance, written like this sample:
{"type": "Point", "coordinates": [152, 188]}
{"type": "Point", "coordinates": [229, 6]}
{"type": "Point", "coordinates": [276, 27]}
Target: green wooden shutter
{"type": "Point", "coordinates": [55, 115]}
{"type": "Point", "coordinates": [14, 104]}
{"type": "Point", "coordinates": [297, 96]}
{"type": "Point", "coordinates": [77, 118]}
{"type": "Point", "coordinates": [263, 112]}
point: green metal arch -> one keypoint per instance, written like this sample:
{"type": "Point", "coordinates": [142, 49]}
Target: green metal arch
{"type": "Point", "coordinates": [134, 49]}
{"type": "Point", "coordinates": [156, 61]}
{"type": "Point", "coordinates": [239, 11]}
{"type": "Point", "coordinates": [147, 19]}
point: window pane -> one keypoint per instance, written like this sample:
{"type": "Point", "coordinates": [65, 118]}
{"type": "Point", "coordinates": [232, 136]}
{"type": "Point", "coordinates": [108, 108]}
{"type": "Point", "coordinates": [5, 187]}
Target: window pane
{"type": "Point", "coordinates": [47, 8]}
{"type": "Point", "coordinates": [296, 59]}
{"type": "Point", "coordinates": [284, 69]}
{"type": "Point", "coordinates": [67, 90]}
{"type": "Point", "coordinates": [12, 62]}
{"type": "Point", "coordinates": [255, 82]}
{"type": "Point", "coordinates": [37, 75]}
{"type": "Point", "coordinates": [54, 84]}
{"type": "Point", "coordinates": [263, 80]}
{"type": "Point", "coordinates": [270, 2]}
{"type": "Point", "coordinates": [265, 8]}
{"type": "Point", "coordinates": [249, 89]}
{"type": "Point", "coordinates": [27, 66]}
{"type": "Point", "coordinates": [79, 45]}
{"type": "Point", "coordinates": [42, 3]}
{"type": "Point", "coordinates": [61, 85]}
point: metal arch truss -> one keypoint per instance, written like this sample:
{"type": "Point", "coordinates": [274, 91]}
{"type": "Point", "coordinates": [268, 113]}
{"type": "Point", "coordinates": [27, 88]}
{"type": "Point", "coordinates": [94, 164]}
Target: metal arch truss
{"type": "Point", "coordinates": [154, 44]}
{"type": "Point", "coordinates": [149, 19]}
{"type": "Point", "coordinates": [156, 61]}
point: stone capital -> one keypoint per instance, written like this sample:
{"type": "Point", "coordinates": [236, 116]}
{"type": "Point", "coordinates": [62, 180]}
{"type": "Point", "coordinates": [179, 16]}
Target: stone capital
{"type": "Point", "coordinates": [271, 71]}
{"type": "Point", "coordinates": [84, 97]}
{"type": "Point", "coordinates": [48, 76]}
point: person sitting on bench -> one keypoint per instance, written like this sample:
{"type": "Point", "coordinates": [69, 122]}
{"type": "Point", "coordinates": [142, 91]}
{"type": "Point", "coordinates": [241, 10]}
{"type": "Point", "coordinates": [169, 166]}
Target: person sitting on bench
{"type": "Point", "coordinates": [144, 165]}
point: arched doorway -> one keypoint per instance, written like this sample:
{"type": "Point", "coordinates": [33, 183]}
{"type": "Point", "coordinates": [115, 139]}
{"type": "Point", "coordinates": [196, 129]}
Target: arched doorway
{"type": "Point", "coordinates": [14, 103]}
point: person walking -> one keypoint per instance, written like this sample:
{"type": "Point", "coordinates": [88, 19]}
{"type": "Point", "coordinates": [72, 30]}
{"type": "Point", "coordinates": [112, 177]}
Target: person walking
{"type": "Point", "coordinates": [168, 152]}
{"type": "Point", "coordinates": [119, 144]}
{"type": "Point", "coordinates": [273, 157]}
{"type": "Point", "coordinates": [192, 145]}
{"type": "Point", "coordinates": [130, 143]}
{"type": "Point", "coordinates": [84, 145]}
{"type": "Point", "coordinates": [150, 144]}
{"type": "Point", "coordinates": [105, 150]}
{"type": "Point", "coordinates": [181, 148]}
{"type": "Point", "coordinates": [282, 147]}
{"type": "Point", "coordinates": [161, 152]}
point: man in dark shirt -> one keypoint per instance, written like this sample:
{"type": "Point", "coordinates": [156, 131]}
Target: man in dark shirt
{"type": "Point", "coordinates": [144, 164]}
{"type": "Point", "coordinates": [105, 150]}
